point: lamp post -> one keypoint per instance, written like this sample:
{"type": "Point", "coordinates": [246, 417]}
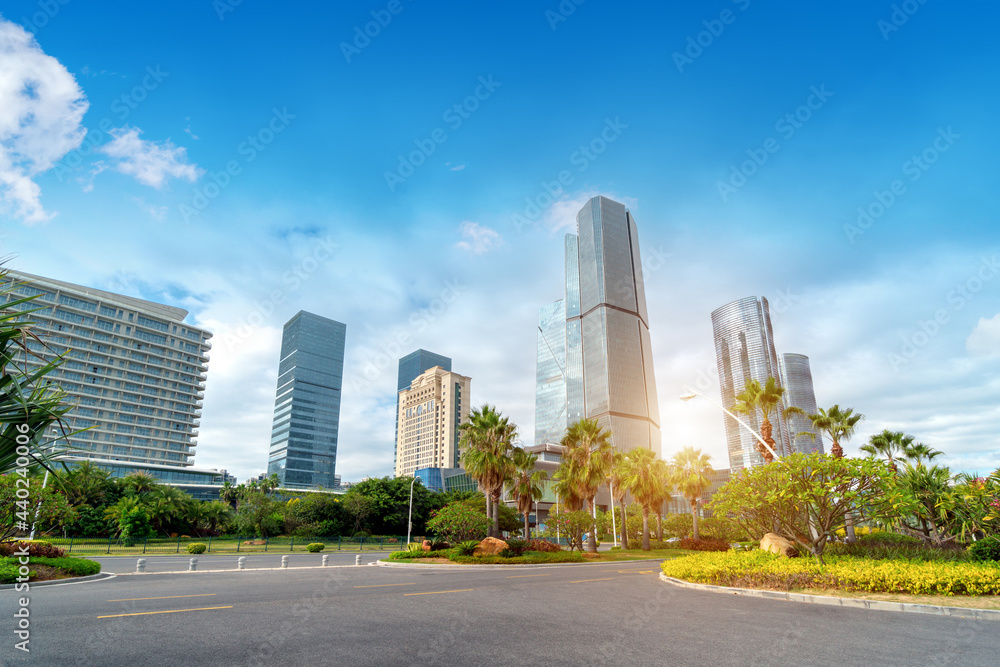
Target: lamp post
{"type": "Point", "coordinates": [409, 518]}
{"type": "Point", "coordinates": [691, 393]}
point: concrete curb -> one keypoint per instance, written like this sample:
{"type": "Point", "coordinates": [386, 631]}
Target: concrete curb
{"type": "Point", "coordinates": [493, 566]}
{"type": "Point", "coordinates": [68, 580]}
{"type": "Point", "coordinates": [876, 605]}
{"type": "Point", "coordinates": [249, 569]}
{"type": "Point", "coordinates": [235, 554]}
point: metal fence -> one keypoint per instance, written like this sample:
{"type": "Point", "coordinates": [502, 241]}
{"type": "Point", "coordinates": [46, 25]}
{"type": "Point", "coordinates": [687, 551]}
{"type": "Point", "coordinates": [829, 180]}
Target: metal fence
{"type": "Point", "coordinates": [224, 544]}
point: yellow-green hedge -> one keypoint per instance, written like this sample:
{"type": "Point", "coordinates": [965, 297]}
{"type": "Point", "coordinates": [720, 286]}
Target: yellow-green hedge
{"type": "Point", "coordinates": [759, 569]}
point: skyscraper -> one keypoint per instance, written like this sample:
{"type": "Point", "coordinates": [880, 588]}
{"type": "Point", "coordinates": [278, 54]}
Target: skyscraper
{"type": "Point", "coordinates": [430, 411]}
{"type": "Point", "coordinates": [410, 367]}
{"type": "Point", "coordinates": [134, 368]}
{"type": "Point", "coordinates": [608, 356]}
{"type": "Point", "coordinates": [796, 378]}
{"type": "Point", "coordinates": [550, 374]}
{"type": "Point", "coordinates": [307, 403]}
{"type": "Point", "coordinates": [744, 350]}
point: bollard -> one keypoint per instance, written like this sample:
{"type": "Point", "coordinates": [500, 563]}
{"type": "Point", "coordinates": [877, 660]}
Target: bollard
{"type": "Point", "coordinates": [241, 563]}
{"type": "Point", "coordinates": [357, 559]}
{"type": "Point", "coordinates": [326, 559]}
{"type": "Point", "coordinates": [193, 566]}
{"type": "Point", "coordinates": [284, 561]}
{"type": "Point", "coordinates": [140, 565]}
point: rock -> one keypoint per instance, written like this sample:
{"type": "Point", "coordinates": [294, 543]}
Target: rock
{"type": "Point", "coordinates": [776, 544]}
{"type": "Point", "coordinates": [426, 546]}
{"type": "Point", "coordinates": [491, 546]}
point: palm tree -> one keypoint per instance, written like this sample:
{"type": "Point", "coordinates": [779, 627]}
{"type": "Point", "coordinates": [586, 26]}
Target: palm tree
{"type": "Point", "coordinates": [270, 483]}
{"type": "Point", "coordinates": [86, 484]}
{"type": "Point", "coordinates": [587, 456]}
{"type": "Point", "coordinates": [690, 472]}
{"type": "Point", "coordinates": [891, 445]}
{"type": "Point", "coordinates": [167, 505]}
{"type": "Point", "coordinates": [487, 440]}
{"type": "Point", "coordinates": [645, 482]}
{"type": "Point", "coordinates": [138, 483]}
{"type": "Point", "coordinates": [755, 398]}
{"type": "Point", "coordinates": [838, 424]}
{"type": "Point", "coordinates": [616, 476]}
{"type": "Point", "coordinates": [920, 452]}
{"type": "Point", "coordinates": [229, 493]}
{"type": "Point", "coordinates": [526, 486]}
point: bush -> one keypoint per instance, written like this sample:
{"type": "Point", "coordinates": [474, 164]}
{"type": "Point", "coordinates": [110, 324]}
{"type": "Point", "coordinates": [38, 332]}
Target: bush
{"type": "Point", "coordinates": [78, 567]}
{"type": "Point", "coordinates": [36, 549]}
{"type": "Point", "coordinates": [315, 547]}
{"type": "Point", "coordinates": [985, 550]}
{"type": "Point", "coordinates": [760, 569]}
{"type": "Point", "coordinates": [516, 547]}
{"type": "Point", "coordinates": [890, 546]}
{"type": "Point", "coordinates": [529, 558]}
{"type": "Point", "coordinates": [439, 545]}
{"type": "Point", "coordinates": [702, 544]}
{"type": "Point", "coordinates": [542, 545]}
{"type": "Point", "coordinates": [466, 548]}
{"type": "Point", "coordinates": [406, 555]}
{"type": "Point", "coordinates": [362, 534]}
{"type": "Point", "coordinates": [196, 548]}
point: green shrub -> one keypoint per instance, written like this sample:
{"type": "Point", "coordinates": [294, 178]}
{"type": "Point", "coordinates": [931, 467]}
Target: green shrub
{"type": "Point", "coordinates": [529, 558]}
{"type": "Point", "coordinates": [362, 534]}
{"type": "Point", "coordinates": [760, 569]}
{"type": "Point", "coordinates": [315, 547]}
{"type": "Point", "coordinates": [196, 548]}
{"type": "Point", "coordinates": [8, 572]}
{"type": "Point", "coordinates": [543, 545]}
{"type": "Point", "coordinates": [416, 546]}
{"type": "Point", "coordinates": [78, 567]}
{"type": "Point", "coordinates": [985, 550]}
{"type": "Point", "coordinates": [439, 545]}
{"type": "Point", "coordinates": [889, 546]}
{"type": "Point", "coordinates": [702, 545]}
{"type": "Point", "coordinates": [36, 549]}
{"type": "Point", "coordinates": [516, 547]}
{"type": "Point", "coordinates": [406, 555]}
{"type": "Point", "coordinates": [466, 548]}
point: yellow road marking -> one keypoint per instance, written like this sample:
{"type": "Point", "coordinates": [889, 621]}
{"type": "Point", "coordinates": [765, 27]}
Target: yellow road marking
{"type": "Point", "coordinates": [164, 597]}
{"type": "Point", "coordinates": [521, 576]}
{"type": "Point", "coordinates": [582, 581]}
{"type": "Point", "coordinates": [382, 585]}
{"type": "Point", "coordinates": [169, 611]}
{"type": "Point", "coordinates": [463, 590]}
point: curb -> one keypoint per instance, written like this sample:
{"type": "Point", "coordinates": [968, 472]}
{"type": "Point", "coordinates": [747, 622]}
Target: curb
{"type": "Point", "coordinates": [249, 569]}
{"type": "Point", "coordinates": [68, 580]}
{"type": "Point", "coordinates": [875, 605]}
{"type": "Point", "coordinates": [442, 566]}
{"type": "Point", "coordinates": [228, 554]}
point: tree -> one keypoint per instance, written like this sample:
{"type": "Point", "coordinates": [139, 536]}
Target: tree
{"type": "Point", "coordinates": [893, 446]}
{"type": "Point", "coordinates": [807, 498]}
{"type": "Point", "coordinates": [839, 424]}
{"type": "Point", "coordinates": [586, 462]}
{"type": "Point", "coordinates": [52, 509]}
{"type": "Point", "coordinates": [229, 493]}
{"type": "Point", "coordinates": [925, 502]}
{"type": "Point", "coordinates": [359, 507]}
{"type": "Point", "coordinates": [390, 504]}
{"type": "Point", "coordinates": [86, 484]}
{"type": "Point", "coordinates": [138, 483]}
{"type": "Point", "coordinates": [169, 508]}
{"type": "Point", "coordinates": [765, 400]}
{"type": "Point", "coordinates": [131, 519]}
{"type": "Point", "coordinates": [487, 440]}
{"type": "Point", "coordinates": [689, 475]}
{"type": "Point", "coordinates": [920, 452]}
{"type": "Point", "coordinates": [617, 472]}
{"type": "Point", "coordinates": [527, 485]}
{"type": "Point", "coordinates": [458, 521]}
{"type": "Point", "coordinates": [645, 480]}
{"type": "Point", "coordinates": [570, 523]}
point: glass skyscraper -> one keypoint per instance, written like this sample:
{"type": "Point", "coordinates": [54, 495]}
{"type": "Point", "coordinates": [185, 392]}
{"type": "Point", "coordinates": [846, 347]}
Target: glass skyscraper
{"type": "Point", "coordinates": [307, 403]}
{"type": "Point", "coordinates": [550, 374]}
{"type": "Point", "coordinates": [796, 378]}
{"type": "Point", "coordinates": [608, 373]}
{"type": "Point", "coordinates": [410, 367]}
{"type": "Point", "coordinates": [135, 370]}
{"type": "Point", "coordinates": [744, 350]}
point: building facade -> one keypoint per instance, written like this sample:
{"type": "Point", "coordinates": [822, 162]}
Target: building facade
{"type": "Point", "coordinates": [135, 370]}
{"type": "Point", "coordinates": [796, 378]}
{"type": "Point", "coordinates": [411, 366]}
{"type": "Point", "coordinates": [307, 403]}
{"type": "Point", "coordinates": [744, 350]}
{"type": "Point", "coordinates": [608, 368]}
{"type": "Point", "coordinates": [430, 412]}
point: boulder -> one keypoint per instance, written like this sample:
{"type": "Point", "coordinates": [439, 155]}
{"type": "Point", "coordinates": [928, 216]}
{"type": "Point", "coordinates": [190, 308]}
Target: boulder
{"type": "Point", "coordinates": [426, 546]}
{"type": "Point", "coordinates": [491, 546]}
{"type": "Point", "coordinates": [777, 544]}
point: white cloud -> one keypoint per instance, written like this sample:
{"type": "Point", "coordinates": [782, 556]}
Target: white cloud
{"type": "Point", "coordinates": [150, 162]}
{"type": "Point", "coordinates": [984, 341]}
{"type": "Point", "coordinates": [155, 212]}
{"type": "Point", "coordinates": [40, 119]}
{"type": "Point", "coordinates": [477, 238]}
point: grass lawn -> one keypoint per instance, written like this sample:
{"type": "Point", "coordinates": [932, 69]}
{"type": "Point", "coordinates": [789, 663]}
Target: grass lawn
{"type": "Point", "coordinates": [221, 545]}
{"type": "Point", "coordinates": [46, 569]}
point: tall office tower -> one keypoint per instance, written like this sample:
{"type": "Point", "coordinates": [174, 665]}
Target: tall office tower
{"type": "Point", "coordinates": [796, 378]}
{"type": "Point", "coordinates": [744, 350]}
{"type": "Point", "coordinates": [134, 369]}
{"type": "Point", "coordinates": [550, 374]}
{"type": "Point", "coordinates": [410, 367]}
{"type": "Point", "coordinates": [307, 404]}
{"type": "Point", "coordinates": [430, 411]}
{"type": "Point", "coordinates": [609, 360]}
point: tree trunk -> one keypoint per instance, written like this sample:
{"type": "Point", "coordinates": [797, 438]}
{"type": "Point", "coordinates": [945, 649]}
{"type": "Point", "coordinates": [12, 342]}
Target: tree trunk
{"type": "Point", "coordinates": [694, 519]}
{"type": "Point", "coordinates": [527, 529]}
{"type": "Point", "coordinates": [765, 433]}
{"type": "Point", "coordinates": [659, 524]}
{"type": "Point", "coordinates": [489, 516]}
{"type": "Point", "coordinates": [496, 514]}
{"type": "Point", "coordinates": [592, 542]}
{"type": "Point", "coordinates": [624, 526]}
{"type": "Point", "coordinates": [645, 528]}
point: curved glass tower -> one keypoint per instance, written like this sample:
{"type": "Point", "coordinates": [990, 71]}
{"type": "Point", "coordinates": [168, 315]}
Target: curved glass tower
{"type": "Point", "coordinates": [744, 350]}
{"type": "Point", "coordinates": [796, 378]}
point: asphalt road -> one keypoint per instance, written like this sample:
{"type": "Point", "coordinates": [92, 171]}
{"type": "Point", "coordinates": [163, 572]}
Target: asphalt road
{"type": "Point", "coordinates": [581, 615]}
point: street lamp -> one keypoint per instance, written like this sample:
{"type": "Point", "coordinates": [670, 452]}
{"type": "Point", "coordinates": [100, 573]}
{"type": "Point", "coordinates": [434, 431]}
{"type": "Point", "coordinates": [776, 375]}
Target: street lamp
{"type": "Point", "coordinates": [409, 518]}
{"type": "Point", "coordinates": [691, 393]}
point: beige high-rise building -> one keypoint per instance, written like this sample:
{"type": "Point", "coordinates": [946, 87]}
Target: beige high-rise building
{"type": "Point", "coordinates": [430, 412]}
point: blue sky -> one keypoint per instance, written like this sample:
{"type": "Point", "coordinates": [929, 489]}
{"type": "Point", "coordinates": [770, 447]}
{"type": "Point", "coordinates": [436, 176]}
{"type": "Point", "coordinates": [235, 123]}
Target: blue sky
{"type": "Point", "coordinates": [246, 161]}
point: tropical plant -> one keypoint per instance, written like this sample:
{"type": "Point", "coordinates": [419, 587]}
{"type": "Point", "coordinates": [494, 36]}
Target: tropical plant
{"type": "Point", "coordinates": [131, 519]}
{"type": "Point", "coordinates": [893, 446]}
{"type": "Point", "coordinates": [571, 524]}
{"type": "Point", "coordinates": [765, 400]}
{"type": "Point", "coordinates": [585, 464]}
{"type": "Point", "coordinates": [229, 493]}
{"type": "Point", "coordinates": [526, 487]}
{"type": "Point", "coordinates": [839, 424]}
{"type": "Point", "coordinates": [689, 475]}
{"type": "Point", "coordinates": [924, 501]}
{"type": "Point", "coordinates": [920, 452]}
{"type": "Point", "coordinates": [646, 479]}
{"type": "Point", "coordinates": [617, 472]}
{"type": "Point", "coordinates": [487, 441]}
{"type": "Point", "coordinates": [459, 522]}
{"type": "Point", "coordinates": [138, 483]}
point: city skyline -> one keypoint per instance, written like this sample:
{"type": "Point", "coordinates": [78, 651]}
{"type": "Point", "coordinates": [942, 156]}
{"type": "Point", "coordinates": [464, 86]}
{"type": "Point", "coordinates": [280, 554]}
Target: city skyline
{"type": "Point", "coordinates": [201, 171]}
